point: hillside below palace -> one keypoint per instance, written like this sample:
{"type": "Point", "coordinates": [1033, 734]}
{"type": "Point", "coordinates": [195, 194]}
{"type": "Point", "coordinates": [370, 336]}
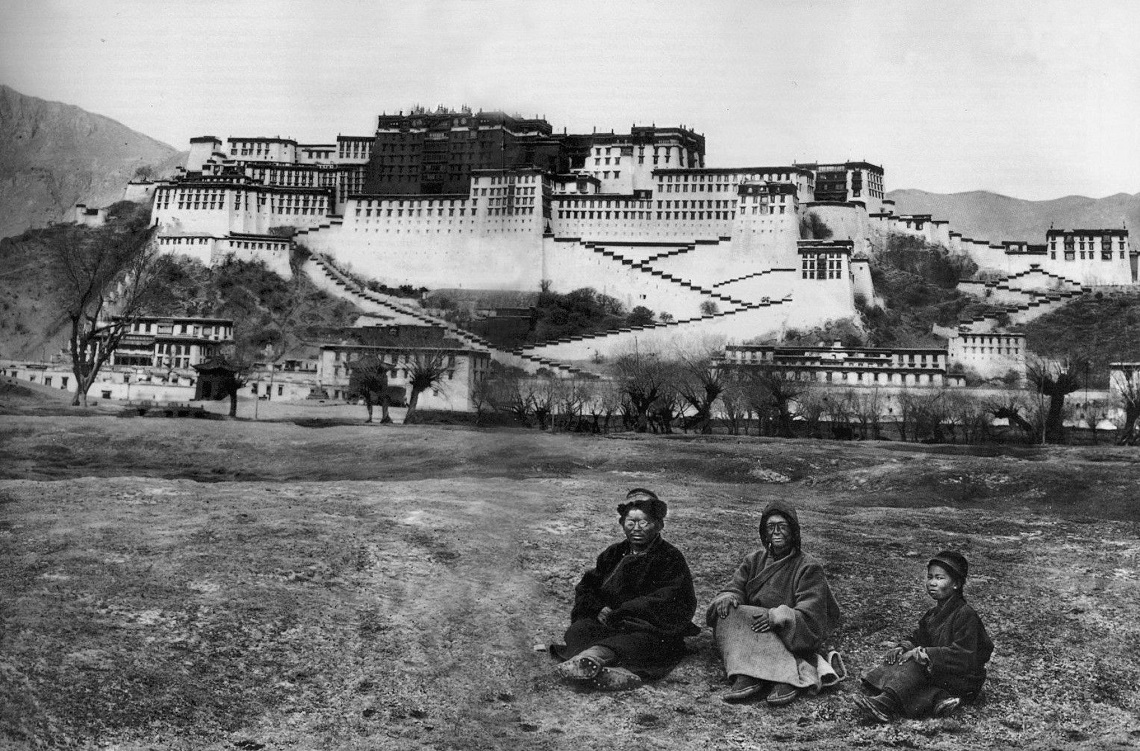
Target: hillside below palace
{"type": "Point", "coordinates": [484, 200]}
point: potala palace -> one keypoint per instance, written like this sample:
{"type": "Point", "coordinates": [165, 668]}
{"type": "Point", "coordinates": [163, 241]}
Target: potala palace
{"type": "Point", "coordinates": [484, 200]}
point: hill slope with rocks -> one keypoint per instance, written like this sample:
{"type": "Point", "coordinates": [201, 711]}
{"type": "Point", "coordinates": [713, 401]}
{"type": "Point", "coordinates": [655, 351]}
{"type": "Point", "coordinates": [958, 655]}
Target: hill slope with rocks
{"type": "Point", "coordinates": [55, 155]}
{"type": "Point", "coordinates": [994, 217]}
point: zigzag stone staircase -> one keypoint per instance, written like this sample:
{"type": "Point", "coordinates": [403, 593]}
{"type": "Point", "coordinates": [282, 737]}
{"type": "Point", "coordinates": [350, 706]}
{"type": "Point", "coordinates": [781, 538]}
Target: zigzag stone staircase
{"type": "Point", "coordinates": [1035, 304]}
{"type": "Point", "coordinates": [645, 266]}
{"type": "Point", "coordinates": [610, 336]}
{"type": "Point", "coordinates": [399, 310]}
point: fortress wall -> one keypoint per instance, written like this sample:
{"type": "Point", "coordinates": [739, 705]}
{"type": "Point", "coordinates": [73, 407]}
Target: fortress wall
{"type": "Point", "coordinates": [1039, 280]}
{"type": "Point", "coordinates": [704, 265]}
{"type": "Point", "coordinates": [814, 305]}
{"type": "Point", "coordinates": [846, 222]}
{"type": "Point", "coordinates": [987, 257]}
{"type": "Point", "coordinates": [198, 247]}
{"type": "Point", "coordinates": [637, 252]}
{"type": "Point", "coordinates": [998, 296]}
{"type": "Point", "coordinates": [1091, 271]}
{"type": "Point", "coordinates": [210, 251]}
{"type": "Point", "coordinates": [774, 284]}
{"type": "Point", "coordinates": [941, 233]}
{"type": "Point", "coordinates": [763, 241]}
{"type": "Point", "coordinates": [817, 301]}
{"type": "Point", "coordinates": [767, 321]}
{"type": "Point", "coordinates": [226, 208]}
{"type": "Point", "coordinates": [275, 255]}
{"type": "Point", "coordinates": [861, 280]}
{"type": "Point", "coordinates": [571, 265]}
{"type": "Point", "coordinates": [641, 226]}
{"type": "Point", "coordinates": [432, 258]}
{"type": "Point", "coordinates": [140, 191]}
{"type": "Point", "coordinates": [977, 289]}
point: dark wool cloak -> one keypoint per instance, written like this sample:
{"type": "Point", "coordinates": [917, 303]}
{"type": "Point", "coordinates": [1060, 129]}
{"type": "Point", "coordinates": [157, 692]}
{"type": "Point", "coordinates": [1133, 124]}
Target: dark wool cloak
{"type": "Point", "coordinates": [794, 586]}
{"type": "Point", "coordinates": [650, 591]}
{"type": "Point", "coordinates": [652, 598]}
{"type": "Point", "coordinates": [959, 648]}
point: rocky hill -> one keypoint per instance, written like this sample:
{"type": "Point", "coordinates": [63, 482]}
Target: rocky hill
{"type": "Point", "coordinates": [990, 216]}
{"type": "Point", "coordinates": [54, 155]}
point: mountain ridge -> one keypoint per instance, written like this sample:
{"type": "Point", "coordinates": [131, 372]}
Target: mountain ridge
{"type": "Point", "coordinates": [54, 155]}
{"type": "Point", "coordinates": [986, 215]}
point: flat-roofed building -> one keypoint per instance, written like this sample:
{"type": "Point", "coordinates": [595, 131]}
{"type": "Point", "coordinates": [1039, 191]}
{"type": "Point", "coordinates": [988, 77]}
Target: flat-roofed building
{"type": "Point", "coordinates": [172, 342]}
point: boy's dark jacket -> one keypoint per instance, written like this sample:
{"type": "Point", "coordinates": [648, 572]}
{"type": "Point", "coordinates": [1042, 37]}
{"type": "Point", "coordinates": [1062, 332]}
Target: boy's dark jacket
{"type": "Point", "coordinates": [956, 641]}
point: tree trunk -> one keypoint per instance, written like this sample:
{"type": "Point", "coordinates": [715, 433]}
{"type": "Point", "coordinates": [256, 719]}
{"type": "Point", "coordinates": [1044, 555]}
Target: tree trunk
{"type": "Point", "coordinates": [368, 408]}
{"type": "Point", "coordinates": [233, 403]}
{"type": "Point", "coordinates": [413, 401]}
{"type": "Point", "coordinates": [1054, 427]}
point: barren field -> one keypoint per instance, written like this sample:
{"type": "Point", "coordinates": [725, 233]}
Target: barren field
{"type": "Point", "coordinates": [236, 585]}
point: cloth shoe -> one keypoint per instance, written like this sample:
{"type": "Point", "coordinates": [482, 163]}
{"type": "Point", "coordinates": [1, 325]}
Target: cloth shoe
{"type": "Point", "coordinates": [616, 679]}
{"type": "Point", "coordinates": [743, 687]}
{"type": "Point", "coordinates": [579, 669]}
{"type": "Point", "coordinates": [945, 707]}
{"type": "Point", "coordinates": [783, 693]}
{"type": "Point", "coordinates": [879, 707]}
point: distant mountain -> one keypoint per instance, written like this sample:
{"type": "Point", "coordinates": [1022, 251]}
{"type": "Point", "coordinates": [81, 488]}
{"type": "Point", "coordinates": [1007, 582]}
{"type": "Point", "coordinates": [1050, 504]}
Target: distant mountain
{"type": "Point", "coordinates": [54, 155]}
{"type": "Point", "coordinates": [989, 216]}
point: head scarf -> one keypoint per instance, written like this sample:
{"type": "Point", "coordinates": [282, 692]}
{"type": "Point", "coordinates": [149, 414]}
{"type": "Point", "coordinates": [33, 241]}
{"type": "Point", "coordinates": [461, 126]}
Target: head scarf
{"type": "Point", "coordinates": [787, 511]}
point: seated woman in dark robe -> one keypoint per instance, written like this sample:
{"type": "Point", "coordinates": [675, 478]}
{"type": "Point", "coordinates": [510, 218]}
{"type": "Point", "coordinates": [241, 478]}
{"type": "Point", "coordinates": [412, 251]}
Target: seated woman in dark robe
{"type": "Point", "coordinates": [772, 621]}
{"type": "Point", "coordinates": [943, 662]}
{"type": "Point", "coordinates": [633, 610]}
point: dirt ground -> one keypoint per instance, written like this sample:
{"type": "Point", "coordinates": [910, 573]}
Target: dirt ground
{"type": "Point", "coordinates": [189, 584]}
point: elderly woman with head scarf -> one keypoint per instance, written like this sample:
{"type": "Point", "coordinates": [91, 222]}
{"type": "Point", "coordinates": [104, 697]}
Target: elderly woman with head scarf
{"type": "Point", "coordinates": [772, 621]}
{"type": "Point", "coordinates": [633, 609]}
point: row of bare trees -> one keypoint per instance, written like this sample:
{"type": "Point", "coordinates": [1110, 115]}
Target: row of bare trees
{"type": "Point", "coordinates": [697, 391]}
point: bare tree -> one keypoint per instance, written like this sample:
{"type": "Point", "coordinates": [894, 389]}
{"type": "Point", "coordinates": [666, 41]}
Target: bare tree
{"type": "Point", "coordinates": [842, 407]}
{"type": "Point", "coordinates": [544, 398]}
{"type": "Point", "coordinates": [606, 401]}
{"type": "Point", "coordinates": [772, 393]}
{"type": "Point", "coordinates": [512, 392]}
{"type": "Point", "coordinates": [868, 409]}
{"type": "Point", "coordinates": [699, 382]}
{"type": "Point", "coordinates": [368, 379]}
{"type": "Point", "coordinates": [1018, 410]}
{"type": "Point", "coordinates": [1126, 391]}
{"type": "Point", "coordinates": [229, 372]}
{"type": "Point", "coordinates": [811, 405]}
{"type": "Point", "coordinates": [733, 400]}
{"type": "Point", "coordinates": [666, 410]}
{"type": "Point", "coordinates": [929, 410]}
{"type": "Point", "coordinates": [1054, 380]}
{"type": "Point", "coordinates": [966, 412]}
{"type": "Point", "coordinates": [573, 394]}
{"type": "Point", "coordinates": [643, 377]}
{"type": "Point", "coordinates": [483, 396]}
{"type": "Point", "coordinates": [105, 279]}
{"type": "Point", "coordinates": [427, 368]}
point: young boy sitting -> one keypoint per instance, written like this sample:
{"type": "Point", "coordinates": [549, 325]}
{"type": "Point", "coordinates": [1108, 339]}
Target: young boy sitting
{"type": "Point", "coordinates": [943, 662]}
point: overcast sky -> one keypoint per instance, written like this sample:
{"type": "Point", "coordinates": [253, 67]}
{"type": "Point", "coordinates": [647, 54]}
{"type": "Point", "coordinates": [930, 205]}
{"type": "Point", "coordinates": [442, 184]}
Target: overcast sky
{"type": "Point", "coordinates": [1036, 99]}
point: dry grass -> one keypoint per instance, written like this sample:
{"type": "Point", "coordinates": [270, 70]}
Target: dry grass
{"type": "Point", "coordinates": [188, 584]}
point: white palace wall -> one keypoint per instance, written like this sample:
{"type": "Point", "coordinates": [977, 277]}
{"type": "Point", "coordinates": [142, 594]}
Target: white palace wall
{"type": "Point", "coordinates": [570, 264]}
{"type": "Point", "coordinates": [274, 252]}
{"type": "Point", "coordinates": [847, 221]}
{"type": "Point", "coordinates": [197, 209]}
